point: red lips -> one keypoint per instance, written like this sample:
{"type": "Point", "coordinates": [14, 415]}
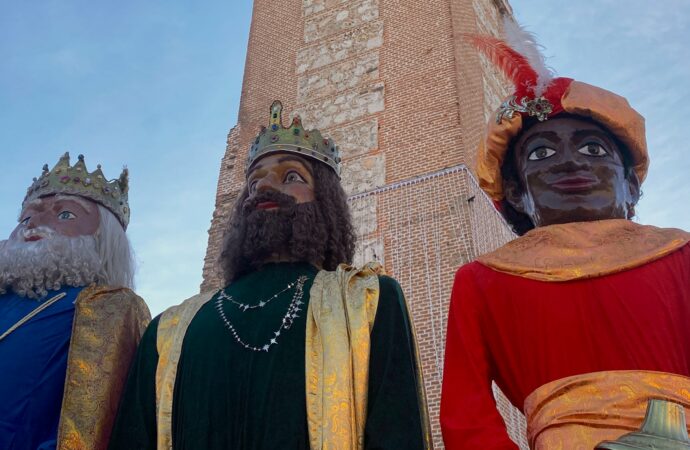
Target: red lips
{"type": "Point", "coordinates": [267, 205]}
{"type": "Point", "coordinates": [574, 183]}
{"type": "Point", "coordinates": [33, 238]}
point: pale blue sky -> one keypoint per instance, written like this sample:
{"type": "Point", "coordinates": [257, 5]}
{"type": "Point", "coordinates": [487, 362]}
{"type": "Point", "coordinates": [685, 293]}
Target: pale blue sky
{"type": "Point", "coordinates": [156, 85]}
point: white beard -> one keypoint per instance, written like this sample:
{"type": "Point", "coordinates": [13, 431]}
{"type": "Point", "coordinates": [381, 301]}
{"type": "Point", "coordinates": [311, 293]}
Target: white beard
{"type": "Point", "coordinates": [32, 268]}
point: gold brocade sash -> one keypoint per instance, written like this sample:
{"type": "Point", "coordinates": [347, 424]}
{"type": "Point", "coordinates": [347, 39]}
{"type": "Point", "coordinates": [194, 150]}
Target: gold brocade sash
{"type": "Point", "coordinates": [108, 324]}
{"type": "Point", "coordinates": [341, 312]}
{"type": "Point", "coordinates": [172, 327]}
{"type": "Point", "coordinates": [579, 250]}
{"type": "Point", "coordinates": [579, 412]}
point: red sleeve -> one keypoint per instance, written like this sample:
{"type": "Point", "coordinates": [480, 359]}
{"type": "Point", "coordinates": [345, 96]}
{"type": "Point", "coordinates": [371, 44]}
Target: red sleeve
{"type": "Point", "coordinates": [469, 418]}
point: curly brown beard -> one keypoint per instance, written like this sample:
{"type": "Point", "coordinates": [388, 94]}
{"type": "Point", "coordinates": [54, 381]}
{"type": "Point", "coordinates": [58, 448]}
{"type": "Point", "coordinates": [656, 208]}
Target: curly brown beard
{"type": "Point", "coordinates": [318, 232]}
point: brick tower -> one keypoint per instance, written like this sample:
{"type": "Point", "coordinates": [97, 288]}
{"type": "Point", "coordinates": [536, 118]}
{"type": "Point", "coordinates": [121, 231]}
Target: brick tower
{"type": "Point", "coordinates": [406, 101]}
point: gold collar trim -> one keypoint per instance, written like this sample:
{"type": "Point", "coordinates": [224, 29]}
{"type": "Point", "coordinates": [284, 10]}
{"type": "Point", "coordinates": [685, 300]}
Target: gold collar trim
{"type": "Point", "coordinates": [580, 250]}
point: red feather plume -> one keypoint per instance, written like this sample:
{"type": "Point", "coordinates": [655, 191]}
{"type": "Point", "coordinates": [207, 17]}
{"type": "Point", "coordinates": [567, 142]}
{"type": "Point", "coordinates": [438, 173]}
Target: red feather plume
{"type": "Point", "coordinates": [515, 66]}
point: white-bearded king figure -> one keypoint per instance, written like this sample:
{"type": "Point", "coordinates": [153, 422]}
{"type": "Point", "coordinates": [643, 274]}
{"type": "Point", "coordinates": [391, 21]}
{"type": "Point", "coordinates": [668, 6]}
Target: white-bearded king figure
{"type": "Point", "coordinates": [69, 321]}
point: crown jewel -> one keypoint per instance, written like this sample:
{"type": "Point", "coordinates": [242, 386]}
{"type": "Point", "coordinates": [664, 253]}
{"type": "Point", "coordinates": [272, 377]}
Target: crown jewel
{"type": "Point", "coordinates": [539, 107]}
{"type": "Point", "coordinates": [293, 139]}
{"type": "Point", "coordinates": [76, 180]}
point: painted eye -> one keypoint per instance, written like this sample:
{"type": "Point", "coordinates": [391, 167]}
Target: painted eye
{"type": "Point", "coordinates": [252, 186]}
{"type": "Point", "coordinates": [593, 150]}
{"type": "Point", "coordinates": [25, 220]}
{"type": "Point", "coordinates": [66, 215]}
{"type": "Point", "coordinates": [293, 177]}
{"type": "Point", "coordinates": [541, 153]}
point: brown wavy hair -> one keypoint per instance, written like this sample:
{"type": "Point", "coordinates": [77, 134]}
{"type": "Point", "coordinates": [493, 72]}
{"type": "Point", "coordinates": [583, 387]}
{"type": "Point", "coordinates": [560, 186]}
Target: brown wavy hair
{"type": "Point", "coordinates": [319, 232]}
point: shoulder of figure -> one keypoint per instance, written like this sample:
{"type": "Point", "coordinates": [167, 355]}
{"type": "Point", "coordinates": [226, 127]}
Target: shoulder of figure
{"type": "Point", "coordinates": [188, 307]}
{"type": "Point", "coordinates": [110, 296]}
{"type": "Point", "coordinates": [391, 295]}
{"type": "Point", "coordinates": [472, 271]}
{"type": "Point", "coordinates": [195, 301]}
{"type": "Point", "coordinates": [389, 287]}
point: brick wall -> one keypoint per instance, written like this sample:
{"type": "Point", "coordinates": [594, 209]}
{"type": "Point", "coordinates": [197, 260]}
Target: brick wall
{"type": "Point", "coordinates": [404, 96]}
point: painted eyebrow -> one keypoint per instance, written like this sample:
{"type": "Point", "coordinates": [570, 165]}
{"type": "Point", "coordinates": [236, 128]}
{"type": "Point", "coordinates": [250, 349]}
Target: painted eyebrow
{"type": "Point", "coordinates": [308, 168]}
{"type": "Point", "coordinates": [550, 135]}
{"type": "Point", "coordinates": [581, 134]}
{"type": "Point", "coordinates": [88, 207]}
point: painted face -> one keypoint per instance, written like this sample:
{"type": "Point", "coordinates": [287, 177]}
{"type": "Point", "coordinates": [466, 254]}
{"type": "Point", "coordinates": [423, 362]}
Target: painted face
{"type": "Point", "coordinates": [571, 170]}
{"type": "Point", "coordinates": [66, 215]}
{"type": "Point", "coordinates": [284, 173]}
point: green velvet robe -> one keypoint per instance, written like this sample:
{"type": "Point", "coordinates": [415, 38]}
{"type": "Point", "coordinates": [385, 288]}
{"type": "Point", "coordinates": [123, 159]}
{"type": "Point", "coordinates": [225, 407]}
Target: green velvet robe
{"type": "Point", "coordinates": [228, 397]}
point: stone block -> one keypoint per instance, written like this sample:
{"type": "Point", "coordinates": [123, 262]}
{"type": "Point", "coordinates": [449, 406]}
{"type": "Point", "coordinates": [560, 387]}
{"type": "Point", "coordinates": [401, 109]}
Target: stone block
{"type": "Point", "coordinates": [344, 107]}
{"type": "Point", "coordinates": [356, 139]}
{"type": "Point", "coordinates": [337, 78]}
{"type": "Point", "coordinates": [363, 211]}
{"type": "Point", "coordinates": [369, 250]}
{"type": "Point", "coordinates": [310, 7]}
{"type": "Point", "coordinates": [343, 46]}
{"type": "Point", "coordinates": [337, 20]}
{"type": "Point", "coordinates": [364, 174]}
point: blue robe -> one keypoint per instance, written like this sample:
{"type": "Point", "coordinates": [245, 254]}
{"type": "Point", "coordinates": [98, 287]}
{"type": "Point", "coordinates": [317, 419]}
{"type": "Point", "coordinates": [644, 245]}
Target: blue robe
{"type": "Point", "coordinates": [33, 363]}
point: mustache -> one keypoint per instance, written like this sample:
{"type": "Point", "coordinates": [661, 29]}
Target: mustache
{"type": "Point", "coordinates": [41, 231]}
{"type": "Point", "coordinates": [282, 200]}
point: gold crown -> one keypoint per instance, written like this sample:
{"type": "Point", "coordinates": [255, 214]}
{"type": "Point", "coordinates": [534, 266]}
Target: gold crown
{"type": "Point", "coordinates": [293, 139]}
{"type": "Point", "coordinates": [76, 180]}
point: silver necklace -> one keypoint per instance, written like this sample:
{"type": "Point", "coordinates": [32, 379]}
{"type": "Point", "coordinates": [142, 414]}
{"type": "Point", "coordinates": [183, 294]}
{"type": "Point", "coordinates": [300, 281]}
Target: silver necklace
{"type": "Point", "coordinates": [243, 306]}
{"type": "Point", "coordinates": [285, 324]}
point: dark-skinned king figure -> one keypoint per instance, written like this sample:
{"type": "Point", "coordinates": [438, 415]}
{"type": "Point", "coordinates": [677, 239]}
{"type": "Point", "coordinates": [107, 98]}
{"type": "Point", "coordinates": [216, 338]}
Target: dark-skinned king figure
{"type": "Point", "coordinates": [69, 321]}
{"type": "Point", "coordinates": [582, 321]}
{"type": "Point", "coordinates": [299, 350]}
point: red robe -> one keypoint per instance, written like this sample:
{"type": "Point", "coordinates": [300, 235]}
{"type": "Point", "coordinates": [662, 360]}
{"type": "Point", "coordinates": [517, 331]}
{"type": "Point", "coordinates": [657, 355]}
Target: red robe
{"type": "Point", "coordinates": [524, 333]}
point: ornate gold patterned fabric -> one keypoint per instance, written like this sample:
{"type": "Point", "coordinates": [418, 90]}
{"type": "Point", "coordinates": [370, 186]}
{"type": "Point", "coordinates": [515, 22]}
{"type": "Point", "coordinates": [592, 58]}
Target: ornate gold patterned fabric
{"type": "Point", "coordinates": [580, 250]}
{"type": "Point", "coordinates": [108, 324]}
{"type": "Point", "coordinates": [581, 99]}
{"type": "Point", "coordinates": [581, 411]}
{"type": "Point", "coordinates": [341, 313]}
{"type": "Point", "coordinates": [172, 327]}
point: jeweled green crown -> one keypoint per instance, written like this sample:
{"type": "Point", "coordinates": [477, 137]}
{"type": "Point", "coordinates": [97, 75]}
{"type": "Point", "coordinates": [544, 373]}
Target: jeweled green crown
{"type": "Point", "coordinates": [293, 139]}
{"type": "Point", "coordinates": [76, 180]}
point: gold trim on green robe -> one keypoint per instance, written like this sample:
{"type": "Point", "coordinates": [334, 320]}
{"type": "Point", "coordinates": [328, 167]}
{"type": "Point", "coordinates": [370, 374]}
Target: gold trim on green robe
{"type": "Point", "coordinates": [172, 328]}
{"type": "Point", "coordinates": [108, 324]}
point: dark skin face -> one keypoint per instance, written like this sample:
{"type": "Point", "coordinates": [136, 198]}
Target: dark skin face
{"type": "Point", "coordinates": [282, 172]}
{"type": "Point", "coordinates": [285, 173]}
{"type": "Point", "coordinates": [570, 170]}
{"type": "Point", "coordinates": [67, 216]}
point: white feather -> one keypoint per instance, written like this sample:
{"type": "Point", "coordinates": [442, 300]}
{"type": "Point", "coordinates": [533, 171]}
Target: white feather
{"type": "Point", "coordinates": [525, 43]}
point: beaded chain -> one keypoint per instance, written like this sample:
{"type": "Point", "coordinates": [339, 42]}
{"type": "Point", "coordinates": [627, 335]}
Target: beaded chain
{"type": "Point", "coordinates": [243, 306]}
{"type": "Point", "coordinates": [286, 323]}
